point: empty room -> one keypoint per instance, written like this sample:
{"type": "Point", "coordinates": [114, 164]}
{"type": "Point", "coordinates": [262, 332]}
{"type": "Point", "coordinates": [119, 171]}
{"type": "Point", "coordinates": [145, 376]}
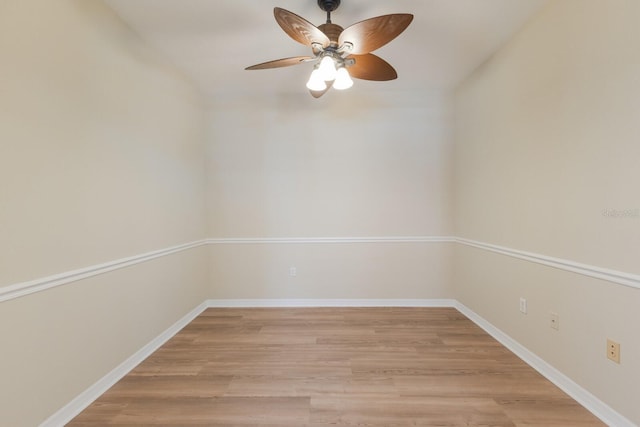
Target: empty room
{"type": "Point", "coordinates": [319, 213]}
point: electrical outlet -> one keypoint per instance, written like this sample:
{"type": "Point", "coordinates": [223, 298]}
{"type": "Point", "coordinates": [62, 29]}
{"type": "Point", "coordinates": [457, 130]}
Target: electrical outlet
{"type": "Point", "coordinates": [293, 271]}
{"type": "Point", "coordinates": [555, 320]}
{"type": "Point", "coordinates": [523, 305]}
{"type": "Point", "coordinates": [613, 351]}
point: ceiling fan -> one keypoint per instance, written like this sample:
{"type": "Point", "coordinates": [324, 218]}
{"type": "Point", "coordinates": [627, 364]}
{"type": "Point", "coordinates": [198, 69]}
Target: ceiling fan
{"type": "Point", "coordinates": [339, 53]}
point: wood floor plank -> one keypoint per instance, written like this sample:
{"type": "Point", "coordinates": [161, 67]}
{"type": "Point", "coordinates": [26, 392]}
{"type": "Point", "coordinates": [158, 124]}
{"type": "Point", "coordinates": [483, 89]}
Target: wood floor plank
{"type": "Point", "coordinates": [144, 387]}
{"type": "Point", "coordinates": [334, 367]}
{"type": "Point", "coordinates": [425, 411]}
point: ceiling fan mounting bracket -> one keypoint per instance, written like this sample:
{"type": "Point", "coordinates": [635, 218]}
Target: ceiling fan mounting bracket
{"type": "Point", "coordinates": [328, 5]}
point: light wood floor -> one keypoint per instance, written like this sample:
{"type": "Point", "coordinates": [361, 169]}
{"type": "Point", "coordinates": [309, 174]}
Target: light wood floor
{"type": "Point", "coordinates": [334, 367]}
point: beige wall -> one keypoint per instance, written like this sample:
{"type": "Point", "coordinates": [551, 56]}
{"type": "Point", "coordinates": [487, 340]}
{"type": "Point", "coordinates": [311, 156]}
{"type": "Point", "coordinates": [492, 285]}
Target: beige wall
{"type": "Point", "coordinates": [546, 141]}
{"type": "Point", "coordinates": [406, 271]}
{"type": "Point", "coordinates": [101, 157]}
{"type": "Point", "coordinates": [376, 164]}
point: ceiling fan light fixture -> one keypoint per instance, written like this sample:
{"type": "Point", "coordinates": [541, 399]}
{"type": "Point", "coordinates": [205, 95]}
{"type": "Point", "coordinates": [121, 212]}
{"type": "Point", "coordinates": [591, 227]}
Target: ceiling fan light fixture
{"type": "Point", "coordinates": [334, 48]}
{"type": "Point", "coordinates": [343, 79]}
{"type": "Point", "coordinates": [316, 82]}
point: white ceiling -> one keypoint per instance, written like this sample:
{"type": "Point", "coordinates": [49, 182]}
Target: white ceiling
{"type": "Point", "coordinates": [212, 41]}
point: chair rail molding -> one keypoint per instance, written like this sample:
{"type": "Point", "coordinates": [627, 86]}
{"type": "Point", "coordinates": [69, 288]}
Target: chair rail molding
{"type": "Point", "coordinates": [614, 276]}
{"type": "Point", "coordinates": [37, 285]}
{"type": "Point", "coordinates": [25, 288]}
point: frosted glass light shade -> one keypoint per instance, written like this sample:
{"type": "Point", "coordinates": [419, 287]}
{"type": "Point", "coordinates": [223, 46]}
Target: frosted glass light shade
{"type": "Point", "coordinates": [327, 69]}
{"type": "Point", "coordinates": [316, 82]}
{"type": "Point", "coordinates": [343, 79]}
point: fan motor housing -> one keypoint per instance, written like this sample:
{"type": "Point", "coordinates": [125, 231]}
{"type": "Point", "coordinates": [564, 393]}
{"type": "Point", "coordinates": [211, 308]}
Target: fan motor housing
{"type": "Point", "coordinates": [328, 5]}
{"type": "Point", "coordinates": [332, 31]}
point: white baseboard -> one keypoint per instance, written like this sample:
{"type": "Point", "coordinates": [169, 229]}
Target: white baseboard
{"type": "Point", "coordinates": [582, 396]}
{"type": "Point", "coordinates": [597, 407]}
{"type": "Point", "coordinates": [316, 240]}
{"type": "Point", "coordinates": [220, 303]}
{"type": "Point", "coordinates": [77, 405]}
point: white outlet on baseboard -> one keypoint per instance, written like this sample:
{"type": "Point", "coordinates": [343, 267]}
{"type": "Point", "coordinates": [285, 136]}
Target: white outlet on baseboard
{"type": "Point", "coordinates": [293, 271]}
{"type": "Point", "coordinates": [523, 305]}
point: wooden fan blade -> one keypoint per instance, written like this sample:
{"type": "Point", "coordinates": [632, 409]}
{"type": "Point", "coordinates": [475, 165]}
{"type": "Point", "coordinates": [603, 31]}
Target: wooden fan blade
{"type": "Point", "coordinates": [299, 28]}
{"type": "Point", "coordinates": [278, 63]}
{"type": "Point", "coordinates": [371, 67]}
{"type": "Point", "coordinates": [371, 34]}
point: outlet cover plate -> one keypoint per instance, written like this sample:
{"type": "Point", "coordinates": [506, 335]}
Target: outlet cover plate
{"type": "Point", "coordinates": [523, 305]}
{"type": "Point", "coordinates": [613, 351]}
{"type": "Point", "coordinates": [555, 320]}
